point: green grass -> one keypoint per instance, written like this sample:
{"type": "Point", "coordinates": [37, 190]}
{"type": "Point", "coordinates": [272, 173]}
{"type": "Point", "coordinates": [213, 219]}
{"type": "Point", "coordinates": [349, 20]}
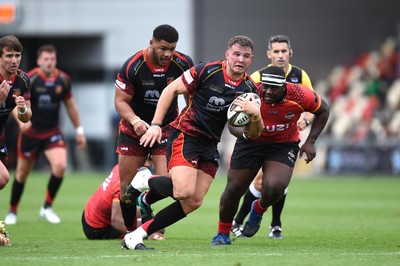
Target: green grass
{"type": "Point", "coordinates": [327, 221]}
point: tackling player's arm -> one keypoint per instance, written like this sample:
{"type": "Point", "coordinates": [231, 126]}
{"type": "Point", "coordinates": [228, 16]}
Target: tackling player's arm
{"type": "Point", "coordinates": [116, 217]}
{"type": "Point", "coordinates": [320, 119]}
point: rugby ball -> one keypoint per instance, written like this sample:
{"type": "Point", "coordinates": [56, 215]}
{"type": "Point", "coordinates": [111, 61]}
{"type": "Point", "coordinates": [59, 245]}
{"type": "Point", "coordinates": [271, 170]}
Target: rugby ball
{"type": "Point", "coordinates": [237, 118]}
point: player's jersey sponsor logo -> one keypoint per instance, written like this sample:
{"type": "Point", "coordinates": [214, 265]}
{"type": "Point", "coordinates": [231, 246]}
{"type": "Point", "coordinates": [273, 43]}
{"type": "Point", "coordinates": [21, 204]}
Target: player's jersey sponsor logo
{"type": "Point", "coordinates": [216, 88]}
{"type": "Point", "coordinates": [216, 104]}
{"type": "Point", "coordinates": [55, 138]}
{"type": "Point", "coordinates": [4, 150]}
{"type": "Point", "coordinates": [151, 97]}
{"type": "Point", "coordinates": [291, 156]}
{"type": "Point", "coordinates": [148, 83]}
{"type": "Point", "coordinates": [278, 127]}
{"type": "Point", "coordinates": [159, 70]}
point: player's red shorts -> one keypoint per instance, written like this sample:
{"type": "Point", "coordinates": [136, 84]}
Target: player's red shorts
{"type": "Point", "coordinates": [129, 144]}
{"type": "Point", "coordinates": [30, 145]}
{"type": "Point", "coordinates": [197, 152]}
{"type": "Point", "coordinates": [250, 154]}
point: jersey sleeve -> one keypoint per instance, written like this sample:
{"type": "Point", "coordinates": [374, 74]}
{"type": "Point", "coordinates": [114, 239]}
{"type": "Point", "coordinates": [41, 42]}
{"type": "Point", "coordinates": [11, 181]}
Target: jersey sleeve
{"type": "Point", "coordinates": [256, 76]}
{"type": "Point", "coordinates": [306, 81]}
{"type": "Point", "coordinates": [312, 101]}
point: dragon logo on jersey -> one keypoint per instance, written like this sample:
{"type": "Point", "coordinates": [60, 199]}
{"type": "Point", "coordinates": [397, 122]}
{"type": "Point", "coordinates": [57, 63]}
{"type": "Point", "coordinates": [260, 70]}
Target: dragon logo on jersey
{"type": "Point", "coordinates": [169, 80]}
{"type": "Point", "coordinates": [289, 115]}
{"type": "Point", "coordinates": [58, 89]}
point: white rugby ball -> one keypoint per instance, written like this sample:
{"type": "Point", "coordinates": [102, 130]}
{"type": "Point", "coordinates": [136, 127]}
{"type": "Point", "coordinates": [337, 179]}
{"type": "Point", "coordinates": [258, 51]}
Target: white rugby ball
{"type": "Point", "coordinates": [238, 119]}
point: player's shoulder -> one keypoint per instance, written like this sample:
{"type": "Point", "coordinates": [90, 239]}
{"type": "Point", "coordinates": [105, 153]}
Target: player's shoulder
{"type": "Point", "coordinates": [23, 76]}
{"type": "Point", "coordinates": [298, 91]}
{"type": "Point", "coordinates": [210, 67]}
{"type": "Point", "coordinates": [183, 59]}
{"type": "Point", "coordinates": [252, 83]}
{"type": "Point", "coordinates": [63, 75]}
{"type": "Point", "coordinates": [139, 56]}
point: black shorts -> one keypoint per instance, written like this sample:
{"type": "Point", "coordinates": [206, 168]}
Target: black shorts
{"type": "Point", "coordinates": [196, 152]}
{"type": "Point", "coordinates": [3, 152]}
{"type": "Point", "coordinates": [130, 146]}
{"type": "Point", "coordinates": [30, 147]}
{"type": "Point", "coordinates": [99, 233]}
{"type": "Point", "coordinates": [250, 154]}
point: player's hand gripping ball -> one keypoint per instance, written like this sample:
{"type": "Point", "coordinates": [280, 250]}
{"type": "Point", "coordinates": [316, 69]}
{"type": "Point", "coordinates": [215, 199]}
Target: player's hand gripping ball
{"type": "Point", "coordinates": [235, 116]}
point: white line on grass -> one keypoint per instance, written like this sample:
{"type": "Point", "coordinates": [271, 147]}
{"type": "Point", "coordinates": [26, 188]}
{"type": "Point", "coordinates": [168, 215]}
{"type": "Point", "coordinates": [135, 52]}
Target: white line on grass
{"type": "Point", "coordinates": [141, 253]}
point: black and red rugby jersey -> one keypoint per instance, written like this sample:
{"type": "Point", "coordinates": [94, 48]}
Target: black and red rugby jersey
{"type": "Point", "coordinates": [280, 119]}
{"type": "Point", "coordinates": [145, 83]}
{"type": "Point", "coordinates": [20, 86]}
{"type": "Point", "coordinates": [211, 93]}
{"type": "Point", "coordinates": [47, 93]}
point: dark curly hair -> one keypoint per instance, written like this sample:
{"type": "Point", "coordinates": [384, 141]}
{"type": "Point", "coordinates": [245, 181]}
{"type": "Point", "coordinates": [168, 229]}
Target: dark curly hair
{"type": "Point", "coordinates": [167, 33]}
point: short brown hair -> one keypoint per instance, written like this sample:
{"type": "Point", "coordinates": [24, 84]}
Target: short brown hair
{"type": "Point", "coordinates": [46, 48]}
{"type": "Point", "coordinates": [10, 42]}
{"type": "Point", "coordinates": [242, 40]}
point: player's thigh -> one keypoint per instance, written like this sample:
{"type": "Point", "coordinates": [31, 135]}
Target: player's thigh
{"type": "Point", "coordinates": [57, 157]}
{"type": "Point", "coordinates": [276, 176]}
{"type": "Point", "coordinates": [257, 182]}
{"type": "Point", "coordinates": [184, 181]}
{"type": "Point", "coordinates": [239, 180]}
{"type": "Point", "coordinates": [203, 183]}
{"type": "Point", "coordinates": [24, 167]}
{"type": "Point", "coordinates": [4, 175]}
{"type": "Point", "coordinates": [160, 164]}
{"type": "Point", "coordinates": [128, 166]}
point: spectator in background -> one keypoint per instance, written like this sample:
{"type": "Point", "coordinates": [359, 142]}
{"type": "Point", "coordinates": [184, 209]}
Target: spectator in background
{"type": "Point", "coordinates": [138, 87]}
{"type": "Point", "coordinates": [102, 218]}
{"type": "Point", "coordinates": [14, 92]}
{"type": "Point", "coordinates": [50, 87]}
{"type": "Point", "coordinates": [279, 52]}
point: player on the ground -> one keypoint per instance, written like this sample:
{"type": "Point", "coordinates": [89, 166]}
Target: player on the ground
{"type": "Point", "coordinates": [102, 217]}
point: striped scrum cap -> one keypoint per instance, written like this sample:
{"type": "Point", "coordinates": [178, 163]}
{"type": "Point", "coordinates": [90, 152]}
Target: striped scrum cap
{"type": "Point", "coordinates": [272, 79]}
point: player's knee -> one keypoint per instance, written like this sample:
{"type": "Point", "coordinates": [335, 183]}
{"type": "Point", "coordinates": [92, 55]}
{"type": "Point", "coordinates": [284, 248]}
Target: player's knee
{"type": "Point", "coordinates": [59, 168]}
{"type": "Point", "coordinates": [183, 192]}
{"type": "Point", "coordinates": [191, 205]}
{"type": "Point", "coordinates": [4, 180]}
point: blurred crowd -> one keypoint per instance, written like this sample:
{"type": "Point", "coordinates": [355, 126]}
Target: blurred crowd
{"type": "Point", "coordinates": [365, 96]}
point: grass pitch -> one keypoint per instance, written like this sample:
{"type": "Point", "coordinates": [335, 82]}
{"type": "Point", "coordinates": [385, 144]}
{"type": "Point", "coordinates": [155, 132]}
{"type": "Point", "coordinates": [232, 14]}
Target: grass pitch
{"type": "Point", "coordinates": [326, 221]}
